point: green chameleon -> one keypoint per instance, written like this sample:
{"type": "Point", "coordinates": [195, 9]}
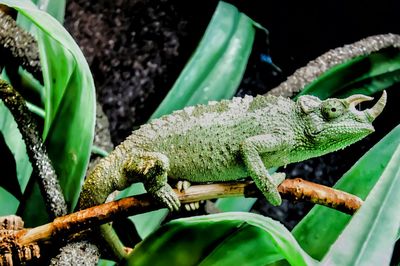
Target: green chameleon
{"type": "Point", "coordinates": [230, 140]}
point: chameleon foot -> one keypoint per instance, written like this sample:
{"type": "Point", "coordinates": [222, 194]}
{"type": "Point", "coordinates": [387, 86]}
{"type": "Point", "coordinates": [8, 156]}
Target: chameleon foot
{"type": "Point", "coordinates": [192, 206]}
{"type": "Point", "coordinates": [182, 185]}
{"type": "Point", "coordinates": [167, 197]}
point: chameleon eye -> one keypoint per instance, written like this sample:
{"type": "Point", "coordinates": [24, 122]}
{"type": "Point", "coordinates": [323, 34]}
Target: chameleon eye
{"type": "Point", "coordinates": [332, 108]}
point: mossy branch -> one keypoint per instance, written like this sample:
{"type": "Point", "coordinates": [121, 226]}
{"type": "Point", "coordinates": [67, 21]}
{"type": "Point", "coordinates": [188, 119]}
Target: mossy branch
{"type": "Point", "coordinates": [18, 47]}
{"type": "Point", "coordinates": [315, 68]}
{"type": "Point", "coordinates": [41, 164]}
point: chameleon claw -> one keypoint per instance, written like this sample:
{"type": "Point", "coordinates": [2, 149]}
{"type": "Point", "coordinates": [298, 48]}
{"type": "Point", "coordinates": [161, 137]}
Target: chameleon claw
{"type": "Point", "coordinates": [167, 197]}
{"type": "Point", "coordinates": [182, 185]}
{"type": "Point", "coordinates": [192, 206]}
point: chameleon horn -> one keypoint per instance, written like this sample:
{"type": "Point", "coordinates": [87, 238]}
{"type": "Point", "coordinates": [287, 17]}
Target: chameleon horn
{"type": "Point", "coordinates": [353, 100]}
{"type": "Point", "coordinates": [377, 108]}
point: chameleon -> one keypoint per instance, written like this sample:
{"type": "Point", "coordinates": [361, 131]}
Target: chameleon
{"type": "Point", "coordinates": [230, 140]}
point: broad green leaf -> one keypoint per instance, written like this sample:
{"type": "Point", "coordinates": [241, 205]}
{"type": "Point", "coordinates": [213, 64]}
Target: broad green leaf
{"type": "Point", "coordinates": [225, 76]}
{"type": "Point", "coordinates": [370, 236]}
{"type": "Point", "coordinates": [216, 67]}
{"type": "Point", "coordinates": [70, 102]}
{"type": "Point", "coordinates": [103, 262]}
{"type": "Point", "coordinates": [321, 227]}
{"type": "Point", "coordinates": [9, 203]}
{"type": "Point", "coordinates": [145, 223]}
{"type": "Point", "coordinates": [220, 239]}
{"type": "Point", "coordinates": [14, 141]}
{"type": "Point", "coordinates": [56, 8]}
{"type": "Point", "coordinates": [364, 74]}
{"type": "Point", "coordinates": [235, 204]}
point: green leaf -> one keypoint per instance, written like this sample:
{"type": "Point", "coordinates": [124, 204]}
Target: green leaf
{"type": "Point", "coordinates": [371, 234]}
{"type": "Point", "coordinates": [235, 204]}
{"type": "Point", "coordinates": [365, 74]}
{"type": "Point", "coordinates": [220, 239]}
{"type": "Point", "coordinates": [11, 203]}
{"type": "Point", "coordinates": [103, 262]}
{"type": "Point", "coordinates": [56, 8]}
{"type": "Point", "coordinates": [225, 76]}
{"type": "Point", "coordinates": [319, 229]}
{"type": "Point", "coordinates": [217, 66]}
{"type": "Point", "coordinates": [70, 102]}
{"type": "Point", "coordinates": [145, 223]}
{"type": "Point", "coordinates": [13, 139]}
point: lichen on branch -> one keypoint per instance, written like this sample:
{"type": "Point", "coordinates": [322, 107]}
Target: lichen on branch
{"type": "Point", "coordinates": [41, 164]}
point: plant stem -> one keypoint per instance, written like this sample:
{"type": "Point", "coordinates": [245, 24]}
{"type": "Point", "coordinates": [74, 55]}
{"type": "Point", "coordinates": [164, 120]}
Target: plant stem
{"type": "Point", "coordinates": [35, 109]}
{"type": "Point", "coordinates": [99, 151]}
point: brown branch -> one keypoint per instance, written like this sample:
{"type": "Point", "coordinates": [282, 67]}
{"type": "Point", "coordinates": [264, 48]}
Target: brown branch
{"type": "Point", "coordinates": [297, 189]}
{"type": "Point", "coordinates": [11, 252]}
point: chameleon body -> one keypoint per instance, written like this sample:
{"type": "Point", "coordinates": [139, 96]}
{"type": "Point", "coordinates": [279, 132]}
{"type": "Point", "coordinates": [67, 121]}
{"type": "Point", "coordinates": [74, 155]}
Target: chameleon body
{"type": "Point", "coordinates": [230, 140]}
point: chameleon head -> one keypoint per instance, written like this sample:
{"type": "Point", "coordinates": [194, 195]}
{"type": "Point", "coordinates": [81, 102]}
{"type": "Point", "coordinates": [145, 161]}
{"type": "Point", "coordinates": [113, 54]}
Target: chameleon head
{"type": "Point", "coordinates": [333, 124]}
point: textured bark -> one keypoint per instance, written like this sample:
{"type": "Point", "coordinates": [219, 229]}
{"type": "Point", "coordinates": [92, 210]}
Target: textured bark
{"type": "Point", "coordinates": [18, 47]}
{"type": "Point", "coordinates": [305, 75]}
{"type": "Point", "coordinates": [41, 164]}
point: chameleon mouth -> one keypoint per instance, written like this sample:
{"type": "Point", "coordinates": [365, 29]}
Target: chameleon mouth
{"type": "Point", "coordinates": [367, 129]}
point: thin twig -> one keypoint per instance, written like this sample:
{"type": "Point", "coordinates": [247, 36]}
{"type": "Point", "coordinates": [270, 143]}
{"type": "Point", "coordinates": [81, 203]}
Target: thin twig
{"type": "Point", "coordinates": [291, 188]}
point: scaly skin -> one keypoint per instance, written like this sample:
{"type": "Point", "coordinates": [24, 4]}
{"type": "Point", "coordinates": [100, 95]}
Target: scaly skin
{"type": "Point", "coordinates": [229, 140]}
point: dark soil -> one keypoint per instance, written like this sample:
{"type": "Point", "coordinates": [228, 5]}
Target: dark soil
{"type": "Point", "coordinates": [137, 48]}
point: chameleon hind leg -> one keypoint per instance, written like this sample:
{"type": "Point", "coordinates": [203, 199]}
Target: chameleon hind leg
{"type": "Point", "coordinates": [151, 168]}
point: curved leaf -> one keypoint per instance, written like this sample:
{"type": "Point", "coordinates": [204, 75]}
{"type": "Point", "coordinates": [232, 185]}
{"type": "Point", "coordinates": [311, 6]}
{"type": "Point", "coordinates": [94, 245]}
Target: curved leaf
{"type": "Point", "coordinates": [371, 234]}
{"type": "Point", "coordinates": [14, 141]}
{"type": "Point", "coordinates": [70, 104]}
{"type": "Point", "coordinates": [216, 67]}
{"type": "Point", "coordinates": [220, 239]}
{"type": "Point", "coordinates": [12, 203]}
{"type": "Point", "coordinates": [319, 229]}
{"type": "Point", "coordinates": [225, 76]}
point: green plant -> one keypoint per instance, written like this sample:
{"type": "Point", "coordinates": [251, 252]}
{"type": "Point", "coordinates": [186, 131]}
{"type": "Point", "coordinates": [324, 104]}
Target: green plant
{"type": "Point", "coordinates": [324, 236]}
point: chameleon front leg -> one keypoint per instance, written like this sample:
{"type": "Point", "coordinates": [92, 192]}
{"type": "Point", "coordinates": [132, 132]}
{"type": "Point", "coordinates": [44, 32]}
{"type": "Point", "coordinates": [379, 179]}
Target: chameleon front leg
{"type": "Point", "coordinates": [251, 149]}
{"type": "Point", "coordinates": [151, 168]}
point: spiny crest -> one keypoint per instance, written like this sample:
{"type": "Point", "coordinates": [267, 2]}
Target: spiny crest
{"type": "Point", "coordinates": [201, 109]}
{"type": "Point", "coordinates": [247, 103]}
{"type": "Point", "coordinates": [261, 101]}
